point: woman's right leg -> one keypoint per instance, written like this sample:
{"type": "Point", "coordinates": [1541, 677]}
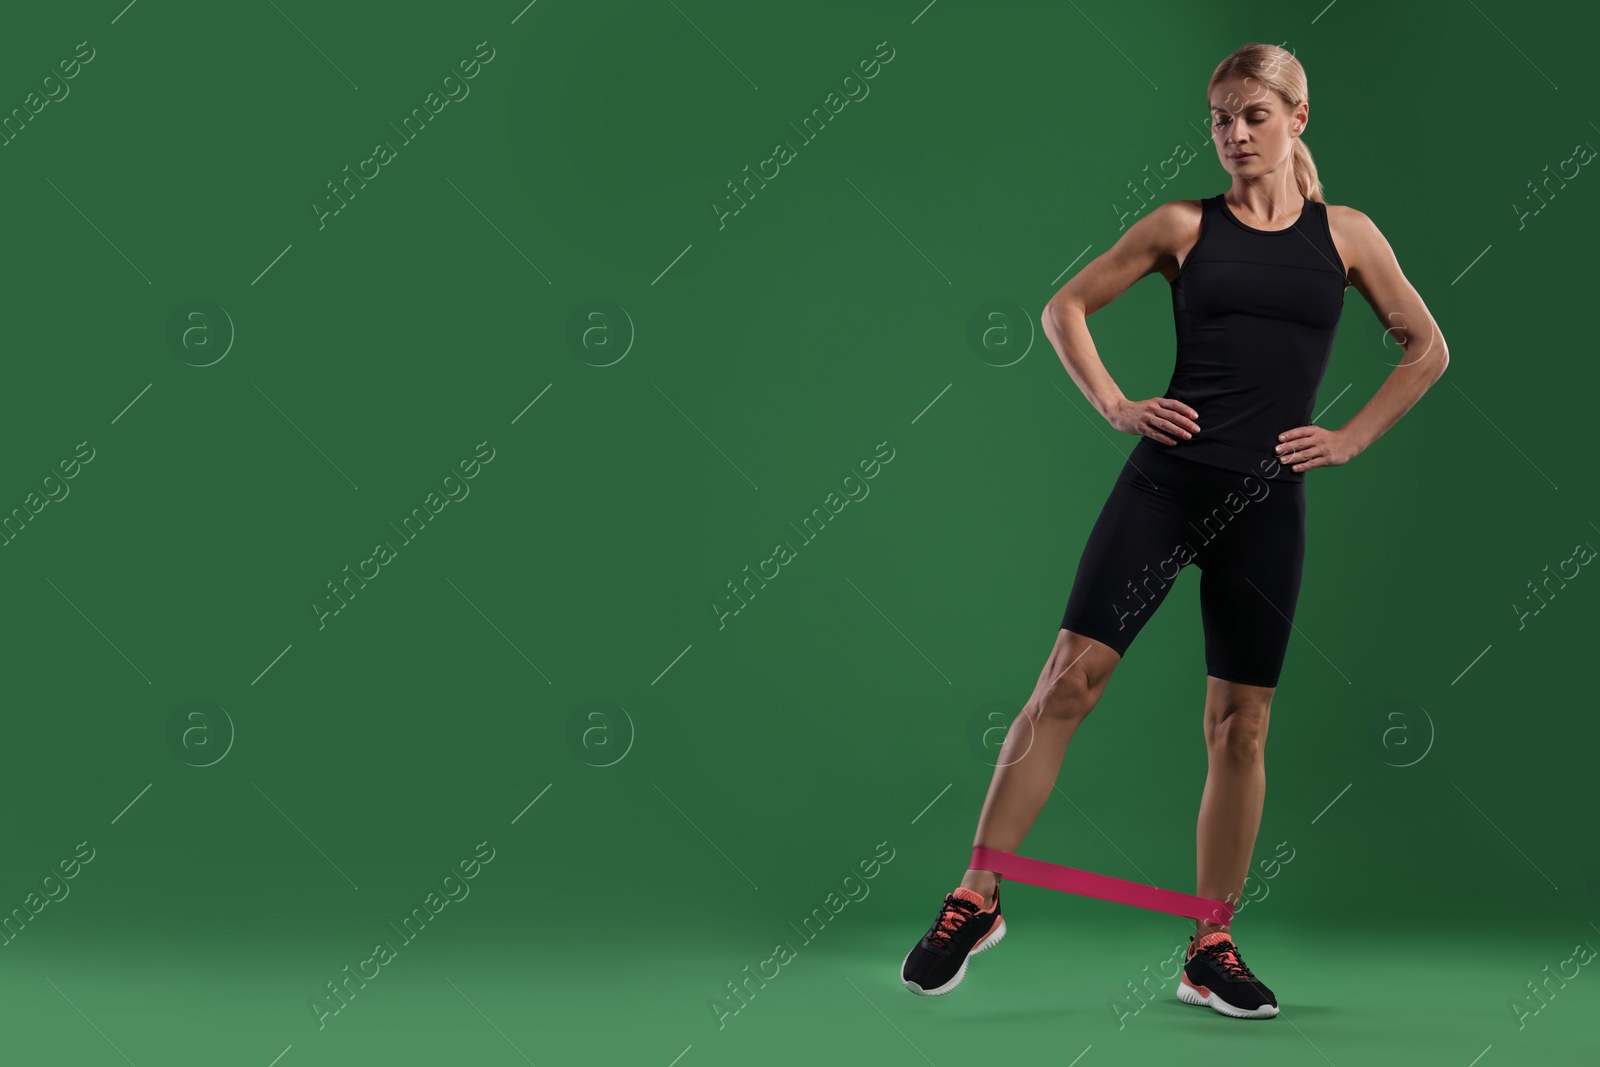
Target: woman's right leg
{"type": "Point", "coordinates": [1128, 565]}
{"type": "Point", "coordinates": [1074, 676]}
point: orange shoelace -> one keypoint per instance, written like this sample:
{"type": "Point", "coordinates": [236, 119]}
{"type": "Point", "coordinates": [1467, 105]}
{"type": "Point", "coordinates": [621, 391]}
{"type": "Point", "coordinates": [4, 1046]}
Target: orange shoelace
{"type": "Point", "coordinates": [1226, 956]}
{"type": "Point", "coordinates": [951, 917]}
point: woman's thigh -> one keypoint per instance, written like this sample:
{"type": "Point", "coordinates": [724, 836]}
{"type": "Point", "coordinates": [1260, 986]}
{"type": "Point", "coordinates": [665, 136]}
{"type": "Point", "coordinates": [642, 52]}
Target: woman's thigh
{"type": "Point", "coordinates": [1135, 551]}
{"type": "Point", "coordinates": [1250, 580]}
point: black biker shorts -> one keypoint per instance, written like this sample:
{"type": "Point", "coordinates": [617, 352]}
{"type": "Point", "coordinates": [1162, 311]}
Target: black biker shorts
{"type": "Point", "coordinates": [1245, 532]}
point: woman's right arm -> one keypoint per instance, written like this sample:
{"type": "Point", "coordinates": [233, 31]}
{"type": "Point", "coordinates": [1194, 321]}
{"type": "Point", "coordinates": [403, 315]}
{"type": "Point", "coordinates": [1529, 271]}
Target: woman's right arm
{"type": "Point", "coordinates": [1147, 244]}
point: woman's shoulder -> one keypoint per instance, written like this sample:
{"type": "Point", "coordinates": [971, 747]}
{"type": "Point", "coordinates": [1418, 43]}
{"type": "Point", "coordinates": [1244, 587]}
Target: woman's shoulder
{"type": "Point", "coordinates": [1167, 227]}
{"type": "Point", "coordinates": [1355, 236]}
{"type": "Point", "coordinates": [1184, 207]}
{"type": "Point", "coordinates": [1351, 225]}
{"type": "Point", "coordinates": [1176, 218]}
{"type": "Point", "coordinates": [1175, 227]}
{"type": "Point", "coordinates": [1348, 218]}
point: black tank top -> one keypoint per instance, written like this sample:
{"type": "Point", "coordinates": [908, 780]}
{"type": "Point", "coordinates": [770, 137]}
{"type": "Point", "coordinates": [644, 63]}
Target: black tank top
{"type": "Point", "coordinates": [1256, 312]}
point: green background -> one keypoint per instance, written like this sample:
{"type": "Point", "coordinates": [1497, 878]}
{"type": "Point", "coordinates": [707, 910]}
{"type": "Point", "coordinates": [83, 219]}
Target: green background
{"type": "Point", "coordinates": [753, 765]}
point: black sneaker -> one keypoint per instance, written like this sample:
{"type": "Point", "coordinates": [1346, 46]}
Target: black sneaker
{"type": "Point", "coordinates": [1217, 977]}
{"type": "Point", "coordinates": [937, 963]}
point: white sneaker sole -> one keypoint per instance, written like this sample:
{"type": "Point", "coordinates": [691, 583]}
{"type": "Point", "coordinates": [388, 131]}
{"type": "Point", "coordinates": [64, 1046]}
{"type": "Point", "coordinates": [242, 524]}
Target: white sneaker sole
{"type": "Point", "coordinates": [990, 940]}
{"type": "Point", "coordinates": [1190, 995]}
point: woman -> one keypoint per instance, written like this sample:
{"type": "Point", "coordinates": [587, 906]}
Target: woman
{"type": "Point", "coordinates": [1257, 275]}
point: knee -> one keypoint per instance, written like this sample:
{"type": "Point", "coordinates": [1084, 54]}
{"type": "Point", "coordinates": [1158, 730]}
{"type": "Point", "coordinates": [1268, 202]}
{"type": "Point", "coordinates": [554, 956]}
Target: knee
{"type": "Point", "coordinates": [1069, 696]}
{"type": "Point", "coordinates": [1240, 734]}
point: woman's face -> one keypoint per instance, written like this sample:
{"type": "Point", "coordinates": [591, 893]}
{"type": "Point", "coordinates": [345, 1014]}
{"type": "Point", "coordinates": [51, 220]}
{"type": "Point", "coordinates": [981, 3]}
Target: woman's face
{"type": "Point", "coordinates": [1253, 128]}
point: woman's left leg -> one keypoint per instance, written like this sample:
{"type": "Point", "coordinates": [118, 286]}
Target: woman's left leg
{"type": "Point", "coordinates": [1214, 974]}
{"type": "Point", "coordinates": [1249, 587]}
{"type": "Point", "coordinates": [1236, 719]}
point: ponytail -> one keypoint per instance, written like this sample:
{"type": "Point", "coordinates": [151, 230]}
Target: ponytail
{"type": "Point", "coordinates": [1305, 171]}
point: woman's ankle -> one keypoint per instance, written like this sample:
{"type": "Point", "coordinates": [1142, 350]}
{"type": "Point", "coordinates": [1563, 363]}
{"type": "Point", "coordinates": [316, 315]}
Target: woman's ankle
{"type": "Point", "coordinates": [984, 882]}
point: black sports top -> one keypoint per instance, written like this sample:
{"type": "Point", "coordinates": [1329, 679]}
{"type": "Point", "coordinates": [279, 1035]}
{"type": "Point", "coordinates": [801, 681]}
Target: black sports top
{"type": "Point", "coordinates": [1256, 312]}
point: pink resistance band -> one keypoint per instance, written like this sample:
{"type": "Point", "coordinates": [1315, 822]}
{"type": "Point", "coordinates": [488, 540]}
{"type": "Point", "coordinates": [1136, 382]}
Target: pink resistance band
{"type": "Point", "coordinates": [1099, 886]}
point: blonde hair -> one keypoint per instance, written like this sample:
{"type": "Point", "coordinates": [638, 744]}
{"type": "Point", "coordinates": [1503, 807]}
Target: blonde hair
{"type": "Point", "coordinates": [1277, 70]}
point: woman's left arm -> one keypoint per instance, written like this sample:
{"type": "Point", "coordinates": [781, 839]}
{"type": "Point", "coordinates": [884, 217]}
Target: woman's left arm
{"type": "Point", "coordinates": [1371, 267]}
